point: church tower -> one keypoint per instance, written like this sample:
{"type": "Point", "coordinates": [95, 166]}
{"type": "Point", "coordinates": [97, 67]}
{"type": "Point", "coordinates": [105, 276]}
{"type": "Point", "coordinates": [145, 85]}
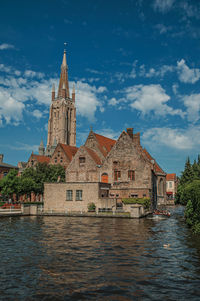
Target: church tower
{"type": "Point", "coordinates": [62, 115]}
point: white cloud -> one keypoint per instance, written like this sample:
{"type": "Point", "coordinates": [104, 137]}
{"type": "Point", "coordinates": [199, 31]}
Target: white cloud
{"type": "Point", "coordinates": [163, 5]}
{"type": "Point", "coordinates": [6, 46]}
{"type": "Point", "coordinates": [187, 75]}
{"type": "Point", "coordinates": [4, 68]}
{"type": "Point", "coordinates": [87, 101]}
{"type": "Point", "coordinates": [192, 103]}
{"type": "Point", "coordinates": [30, 73]}
{"type": "Point", "coordinates": [37, 114]}
{"type": "Point", "coordinates": [11, 110]}
{"type": "Point", "coordinates": [113, 101]}
{"type": "Point", "coordinates": [152, 72]}
{"type": "Point", "coordinates": [22, 146]}
{"type": "Point", "coordinates": [173, 138]}
{"type": "Point", "coordinates": [150, 98]}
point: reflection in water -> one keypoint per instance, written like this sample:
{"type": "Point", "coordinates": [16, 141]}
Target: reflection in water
{"type": "Point", "coordinates": [67, 258]}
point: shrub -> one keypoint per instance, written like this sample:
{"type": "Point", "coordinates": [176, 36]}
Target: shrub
{"type": "Point", "coordinates": [142, 201]}
{"type": "Point", "coordinates": [91, 207]}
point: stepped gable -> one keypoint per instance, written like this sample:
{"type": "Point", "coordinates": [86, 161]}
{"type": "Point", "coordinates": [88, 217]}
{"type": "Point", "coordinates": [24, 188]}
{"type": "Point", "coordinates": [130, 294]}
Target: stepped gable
{"type": "Point", "coordinates": [69, 150]}
{"type": "Point", "coordinates": [40, 159]}
{"type": "Point", "coordinates": [94, 155]}
{"type": "Point", "coordinates": [105, 144]}
{"type": "Point", "coordinates": [171, 177]}
{"type": "Point", "coordinates": [158, 169]}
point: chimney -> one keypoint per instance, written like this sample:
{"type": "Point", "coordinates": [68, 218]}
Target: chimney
{"type": "Point", "coordinates": [136, 138]}
{"type": "Point", "coordinates": [1, 158]}
{"type": "Point", "coordinates": [130, 132]}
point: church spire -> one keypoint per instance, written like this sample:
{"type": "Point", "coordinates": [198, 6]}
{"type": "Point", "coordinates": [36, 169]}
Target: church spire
{"type": "Point", "coordinates": [63, 77]}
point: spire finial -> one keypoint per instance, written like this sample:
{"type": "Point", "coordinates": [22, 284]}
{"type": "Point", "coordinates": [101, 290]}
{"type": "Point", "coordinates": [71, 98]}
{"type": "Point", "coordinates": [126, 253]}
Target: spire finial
{"type": "Point", "coordinates": [91, 128]}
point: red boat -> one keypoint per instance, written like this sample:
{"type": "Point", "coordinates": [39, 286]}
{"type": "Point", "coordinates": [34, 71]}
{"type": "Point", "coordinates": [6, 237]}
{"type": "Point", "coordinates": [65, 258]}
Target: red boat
{"type": "Point", "coordinates": [161, 213]}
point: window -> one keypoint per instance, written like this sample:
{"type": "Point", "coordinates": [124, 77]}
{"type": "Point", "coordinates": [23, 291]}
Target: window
{"type": "Point", "coordinates": [55, 160]}
{"type": "Point", "coordinates": [81, 160]}
{"type": "Point", "coordinates": [61, 159]}
{"type": "Point", "coordinates": [69, 195]}
{"type": "Point", "coordinates": [79, 194]}
{"type": "Point", "coordinates": [134, 195]}
{"type": "Point", "coordinates": [5, 174]}
{"type": "Point", "coordinates": [131, 175]}
{"type": "Point", "coordinates": [117, 175]}
{"type": "Point", "coordinates": [144, 195]}
{"type": "Point", "coordinates": [170, 184]}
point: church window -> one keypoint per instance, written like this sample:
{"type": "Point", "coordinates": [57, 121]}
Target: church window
{"type": "Point", "coordinates": [79, 194]}
{"type": "Point", "coordinates": [115, 163]}
{"type": "Point", "coordinates": [131, 175]}
{"type": "Point", "coordinates": [81, 160]}
{"type": "Point", "coordinates": [69, 195]}
{"type": "Point", "coordinates": [55, 160]}
{"type": "Point", "coordinates": [58, 153]}
{"type": "Point", "coordinates": [61, 159]}
{"type": "Point", "coordinates": [117, 175]}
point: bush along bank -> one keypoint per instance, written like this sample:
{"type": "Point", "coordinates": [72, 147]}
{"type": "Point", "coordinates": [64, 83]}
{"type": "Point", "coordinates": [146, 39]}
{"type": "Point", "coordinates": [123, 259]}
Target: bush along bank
{"type": "Point", "coordinates": [188, 194]}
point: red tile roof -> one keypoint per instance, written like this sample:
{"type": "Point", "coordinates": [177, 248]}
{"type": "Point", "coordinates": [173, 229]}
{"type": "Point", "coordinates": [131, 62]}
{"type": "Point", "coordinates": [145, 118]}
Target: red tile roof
{"type": "Point", "coordinates": [157, 167]}
{"type": "Point", "coordinates": [41, 159]}
{"type": "Point", "coordinates": [70, 151]}
{"type": "Point", "coordinates": [94, 155]}
{"type": "Point", "coordinates": [105, 143]}
{"type": "Point", "coordinates": [171, 177]}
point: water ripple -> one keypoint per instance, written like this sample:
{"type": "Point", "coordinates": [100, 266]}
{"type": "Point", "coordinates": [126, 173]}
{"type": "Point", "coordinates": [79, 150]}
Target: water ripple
{"type": "Point", "coordinates": [59, 258]}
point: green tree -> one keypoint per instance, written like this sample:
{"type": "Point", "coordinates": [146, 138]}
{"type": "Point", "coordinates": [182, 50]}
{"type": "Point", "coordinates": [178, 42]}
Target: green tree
{"type": "Point", "coordinates": [192, 211]}
{"type": "Point", "coordinates": [10, 184]}
{"type": "Point", "coordinates": [188, 173]}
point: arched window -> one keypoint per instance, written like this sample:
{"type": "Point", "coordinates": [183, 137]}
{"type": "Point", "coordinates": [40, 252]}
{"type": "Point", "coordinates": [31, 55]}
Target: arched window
{"type": "Point", "coordinates": [104, 178]}
{"type": "Point", "coordinates": [161, 187]}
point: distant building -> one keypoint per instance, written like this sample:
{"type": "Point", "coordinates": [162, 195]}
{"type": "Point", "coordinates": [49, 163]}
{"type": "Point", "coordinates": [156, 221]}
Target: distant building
{"type": "Point", "coordinates": [35, 159]}
{"type": "Point", "coordinates": [171, 186]}
{"type": "Point", "coordinates": [5, 168]}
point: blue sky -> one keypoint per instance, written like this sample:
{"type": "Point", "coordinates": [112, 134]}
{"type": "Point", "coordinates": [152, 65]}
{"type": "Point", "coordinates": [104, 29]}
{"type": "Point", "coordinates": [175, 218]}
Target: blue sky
{"type": "Point", "coordinates": [134, 64]}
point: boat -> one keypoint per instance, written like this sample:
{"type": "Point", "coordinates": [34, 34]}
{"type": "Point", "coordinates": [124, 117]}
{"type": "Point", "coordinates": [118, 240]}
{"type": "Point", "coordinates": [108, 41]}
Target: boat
{"type": "Point", "coordinates": [161, 213]}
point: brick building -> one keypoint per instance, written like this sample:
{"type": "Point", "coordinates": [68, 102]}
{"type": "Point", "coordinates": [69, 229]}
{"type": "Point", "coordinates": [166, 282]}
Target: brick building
{"type": "Point", "coordinates": [5, 168]}
{"type": "Point", "coordinates": [171, 187]}
{"type": "Point", "coordinates": [104, 171]}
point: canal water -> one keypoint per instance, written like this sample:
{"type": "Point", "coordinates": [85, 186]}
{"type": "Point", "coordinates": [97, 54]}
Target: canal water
{"type": "Point", "coordinates": [68, 258]}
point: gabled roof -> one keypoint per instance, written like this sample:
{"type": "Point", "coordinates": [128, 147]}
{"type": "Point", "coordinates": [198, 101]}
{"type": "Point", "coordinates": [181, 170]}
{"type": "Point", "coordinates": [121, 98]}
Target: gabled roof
{"type": "Point", "coordinates": [94, 155]}
{"type": "Point", "coordinates": [157, 167]}
{"type": "Point", "coordinates": [69, 150]}
{"type": "Point", "coordinates": [171, 177]}
{"type": "Point", "coordinates": [7, 165]}
{"type": "Point", "coordinates": [105, 143]}
{"type": "Point", "coordinates": [40, 159]}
